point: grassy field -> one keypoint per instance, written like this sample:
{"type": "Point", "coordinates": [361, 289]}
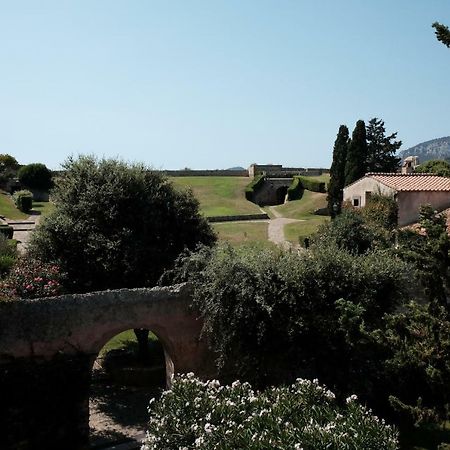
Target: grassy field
{"type": "Point", "coordinates": [219, 196]}
{"type": "Point", "coordinates": [122, 340]}
{"type": "Point", "coordinates": [303, 208]}
{"type": "Point", "coordinates": [297, 232]}
{"type": "Point", "coordinates": [44, 208]}
{"type": "Point", "coordinates": [8, 208]}
{"type": "Point", "coordinates": [238, 233]}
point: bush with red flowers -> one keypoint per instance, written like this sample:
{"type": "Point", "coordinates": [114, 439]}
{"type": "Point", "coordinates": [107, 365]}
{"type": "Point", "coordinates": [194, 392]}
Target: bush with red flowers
{"type": "Point", "coordinates": [31, 279]}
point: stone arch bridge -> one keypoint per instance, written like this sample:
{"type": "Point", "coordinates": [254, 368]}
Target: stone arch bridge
{"type": "Point", "coordinates": [48, 347]}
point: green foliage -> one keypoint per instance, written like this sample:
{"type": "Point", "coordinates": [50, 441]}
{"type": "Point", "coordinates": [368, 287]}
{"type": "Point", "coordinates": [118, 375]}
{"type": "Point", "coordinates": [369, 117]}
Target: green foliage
{"type": "Point", "coordinates": [381, 149]}
{"type": "Point", "coordinates": [295, 190]}
{"type": "Point", "coordinates": [205, 415]}
{"type": "Point", "coordinates": [311, 184]}
{"type": "Point", "coordinates": [442, 33]}
{"type": "Point", "coordinates": [435, 166]}
{"type": "Point", "coordinates": [428, 250]}
{"type": "Point", "coordinates": [23, 200]}
{"type": "Point", "coordinates": [6, 231]}
{"type": "Point", "coordinates": [351, 232]}
{"type": "Point", "coordinates": [381, 211]}
{"type": "Point", "coordinates": [6, 264]}
{"type": "Point", "coordinates": [35, 176]}
{"type": "Point", "coordinates": [417, 371]}
{"type": "Point", "coordinates": [271, 316]}
{"type": "Point", "coordinates": [337, 171]}
{"type": "Point", "coordinates": [253, 187]}
{"type": "Point", "coordinates": [117, 225]}
{"type": "Point", "coordinates": [8, 168]}
{"type": "Point", "coordinates": [355, 165]}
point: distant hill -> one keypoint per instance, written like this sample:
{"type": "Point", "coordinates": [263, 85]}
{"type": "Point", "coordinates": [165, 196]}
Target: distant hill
{"type": "Point", "coordinates": [434, 149]}
{"type": "Point", "coordinates": [238, 168]}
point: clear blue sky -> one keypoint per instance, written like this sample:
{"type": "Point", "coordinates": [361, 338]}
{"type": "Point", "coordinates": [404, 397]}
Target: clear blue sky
{"type": "Point", "coordinates": [216, 83]}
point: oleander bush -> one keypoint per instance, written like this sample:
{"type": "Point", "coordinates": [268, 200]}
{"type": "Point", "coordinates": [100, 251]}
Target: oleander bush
{"type": "Point", "coordinates": [302, 416]}
{"type": "Point", "coordinates": [30, 278]}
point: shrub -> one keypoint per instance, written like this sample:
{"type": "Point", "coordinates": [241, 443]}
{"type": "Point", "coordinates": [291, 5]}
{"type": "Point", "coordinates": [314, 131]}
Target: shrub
{"type": "Point", "coordinates": [295, 190]}
{"type": "Point", "coordinates": [253, 187]}
{"type": "Point", "coordinates": [206, 415]}
{"type": "Point", "coordinates": [272, 316]}
{"type": "Point", "coordinates": [6, 263]}
{"type": "Point", "coordinates": [381, 211]}
{"type": "Point", "coordinates": [116, 225]}
{"type": "Point", "coordinates": [312, 185]}
{"type": "Point", "coordinates": [23, 200]}
{"type": "Point", "coordinates": [35, 176]}
{"type": "Point", "coordinates": [31, 279]}
{"type": "Point", "coordinates": [351, 232]}
{"type": "Point", "coordinates": [7, 231]}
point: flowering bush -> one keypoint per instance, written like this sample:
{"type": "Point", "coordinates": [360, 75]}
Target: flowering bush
{"type": "Point", "coordinates": [31, 279]}
{"type": "Point", "coordinates": [302, 416]}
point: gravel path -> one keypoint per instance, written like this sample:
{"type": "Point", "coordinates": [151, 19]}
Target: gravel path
{"type": "Point", "coordinates": [276, 229]}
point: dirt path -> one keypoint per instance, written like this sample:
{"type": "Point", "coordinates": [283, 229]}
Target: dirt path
{"type": "Point", "coordinates": [276, 229]}
{"type": "Point", "coordinates": [117, 413]}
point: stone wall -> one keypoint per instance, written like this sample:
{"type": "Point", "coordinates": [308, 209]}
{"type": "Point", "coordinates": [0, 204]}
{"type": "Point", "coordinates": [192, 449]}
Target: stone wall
{"type": "Point", "coordinates": [47, 348]}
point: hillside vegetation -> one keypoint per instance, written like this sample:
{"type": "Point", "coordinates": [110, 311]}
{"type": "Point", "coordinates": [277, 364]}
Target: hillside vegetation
{"type": "Point", "coordinates": [219, 196]}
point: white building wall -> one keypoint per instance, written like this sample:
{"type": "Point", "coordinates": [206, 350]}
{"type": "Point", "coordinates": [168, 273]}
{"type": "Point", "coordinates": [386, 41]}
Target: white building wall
{"type": "Point", "coordinates": [358, 190]}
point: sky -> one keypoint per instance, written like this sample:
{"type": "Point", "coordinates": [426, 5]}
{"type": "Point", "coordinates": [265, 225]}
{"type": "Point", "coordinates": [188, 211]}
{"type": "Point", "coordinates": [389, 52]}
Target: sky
{"type": "Point", "coordinates": [209, 84]}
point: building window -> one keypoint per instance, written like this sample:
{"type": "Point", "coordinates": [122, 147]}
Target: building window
{"type": "Point", "coordinates": [356, 201]}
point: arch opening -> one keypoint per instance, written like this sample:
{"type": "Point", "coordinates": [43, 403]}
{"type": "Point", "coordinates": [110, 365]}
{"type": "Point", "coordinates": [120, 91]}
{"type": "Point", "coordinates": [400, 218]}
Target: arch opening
{"type": "Point", "coordinates": [130, 369]}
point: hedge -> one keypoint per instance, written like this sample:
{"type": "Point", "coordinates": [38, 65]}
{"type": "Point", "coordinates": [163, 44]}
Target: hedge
{"type": "Point", "coordinates": [295, 190]}
{"type": "Point", "coordinates": [7, 231]}
{"type": "Point", "coordinates": [312, 185]}
{"type": "Point", "coordinates": [23, 200]}
{"type": "Point", "coordinates": [253, 186]}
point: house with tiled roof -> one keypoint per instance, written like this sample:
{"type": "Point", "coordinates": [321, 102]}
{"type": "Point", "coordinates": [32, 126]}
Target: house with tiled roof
{"type": "Point", "coordinates": [409, 190]}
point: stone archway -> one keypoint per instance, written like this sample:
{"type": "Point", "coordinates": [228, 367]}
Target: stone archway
{"type": "Point", "coordinates": [47, 348]}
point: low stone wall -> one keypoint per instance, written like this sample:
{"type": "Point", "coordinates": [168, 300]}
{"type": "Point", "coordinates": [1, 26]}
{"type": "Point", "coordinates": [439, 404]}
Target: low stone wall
{"type": "Point", "coordinates": [48, 346]}
{"type": "Point", "coordinates": [261, 216]}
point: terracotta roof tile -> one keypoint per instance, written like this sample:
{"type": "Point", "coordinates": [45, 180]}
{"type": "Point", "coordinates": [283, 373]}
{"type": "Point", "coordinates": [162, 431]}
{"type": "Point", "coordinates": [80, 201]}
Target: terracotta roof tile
{"type": "Point", "coordinates": [412, 182]}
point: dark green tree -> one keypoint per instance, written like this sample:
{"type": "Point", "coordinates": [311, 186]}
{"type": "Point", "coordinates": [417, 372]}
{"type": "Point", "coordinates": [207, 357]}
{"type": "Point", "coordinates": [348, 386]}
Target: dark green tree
{"type": "Point", "coordinates": [442, 33]}
{"type": "Point", "coordinates": [117, 225]}
{"type": "Point", "coordinates": [35, 176]}
{"type": "Point", "coordinates": [8, 168]}
{"type": "Point", "coordinates": [381, 149]}
{"type": "Point", "coordinates": [355, 166]}
{"type": "Point", "coordinates": [435, 166]}
{"type": "Point", "coordinates": [337, 171]}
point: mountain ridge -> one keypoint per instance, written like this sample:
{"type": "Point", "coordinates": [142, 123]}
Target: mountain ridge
{"type": "Point", "coordinates": [438, 148]}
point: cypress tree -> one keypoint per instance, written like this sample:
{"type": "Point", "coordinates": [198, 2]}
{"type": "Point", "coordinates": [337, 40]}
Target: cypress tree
{"type": "Point", "coordinates": [337, 171]}
{"type": "Point", "coordinates": [381, 149]}
{"type": "Point", "coordinates": [442, 33]}
{"type": "Point", "coordinates": [355, 166]}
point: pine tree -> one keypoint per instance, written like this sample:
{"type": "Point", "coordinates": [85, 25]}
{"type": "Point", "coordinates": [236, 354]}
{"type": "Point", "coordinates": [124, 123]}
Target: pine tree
{"type": "Point", "coordinates": [337, 171]}
{"type": "Point", "coordinates": [381, 149]}
{"type": "Point", "coordinates": [442, 33]}
{"type": "Point", "coordinates": [355, 166]}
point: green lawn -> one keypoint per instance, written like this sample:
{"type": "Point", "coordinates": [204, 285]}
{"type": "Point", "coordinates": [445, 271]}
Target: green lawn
{"type": "Point", "coordinates": [8, 208]}
{"type": "Point", "coordinates": [303, 208]}
{"type": "Point", "coordinates": [238, 233]}
{"type": "Point", "coordinates": [122, 340]}
{"type": "Point", "coordinates": [297, 232]}
{"type": "Point", "coordinates": [44, 208]}
{"type": "Point", "coordinates": [324, 178]}
{"type": "Point", "coordinates": [219, 196]}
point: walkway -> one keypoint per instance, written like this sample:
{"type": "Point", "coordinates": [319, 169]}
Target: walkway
{"type": "Point", "coordinates": [276, 229]}
{"type": "Point", "coordinates": [23, 229]}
